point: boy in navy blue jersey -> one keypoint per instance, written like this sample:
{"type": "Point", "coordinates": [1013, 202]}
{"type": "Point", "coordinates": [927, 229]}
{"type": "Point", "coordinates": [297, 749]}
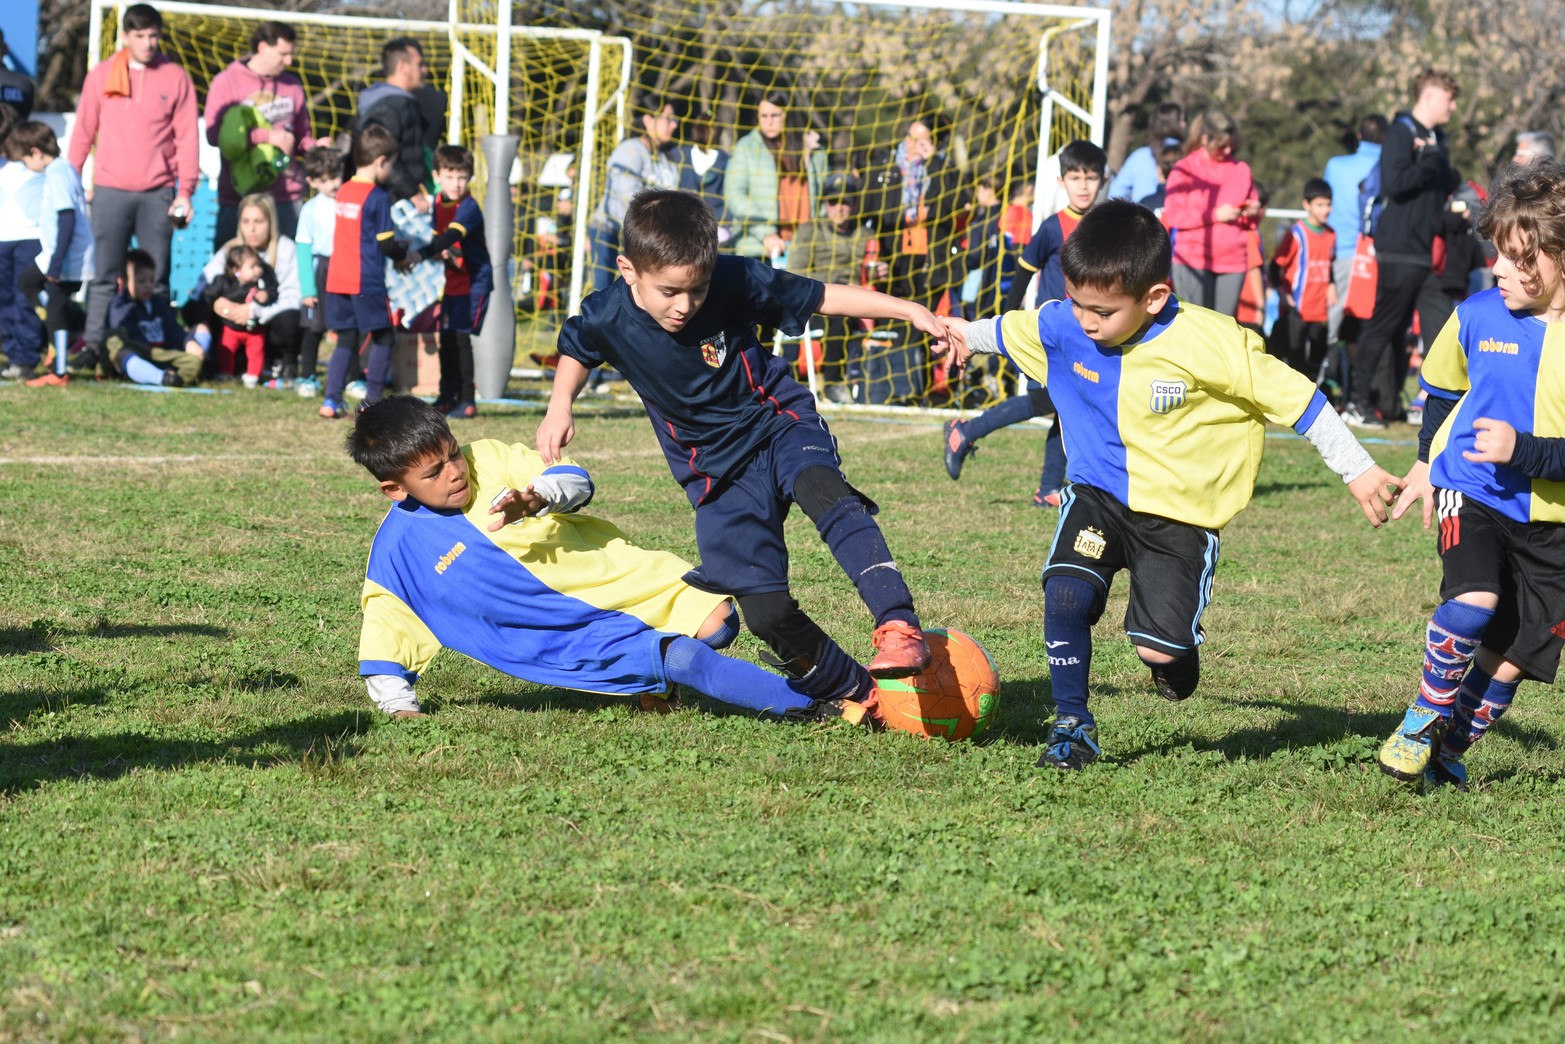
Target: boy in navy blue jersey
{"type": "Point", "coordinates": [1082, 169]}
{"type": "Point", "coordinates": [459, 235]}
{"type": "Point", "coordinates": [357, 307]}
{"type": "Point", "coordinates": [740, 435]}
{"type": "Point", "coordinates": [1491, 465]}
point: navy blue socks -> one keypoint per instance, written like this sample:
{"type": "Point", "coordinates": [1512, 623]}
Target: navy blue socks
{"type": "Point", "coordinates": [1068, 609]}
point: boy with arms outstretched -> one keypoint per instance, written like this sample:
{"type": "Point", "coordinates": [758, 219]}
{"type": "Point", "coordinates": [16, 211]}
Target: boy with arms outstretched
{"type": "Point", "coordinates": [1491, 465]}
{"type": "Point", "coordinates": [1165, 406]}
{"type": "Point", "coordinates": [483, 552]}
{"type": "Point", "coordinates": [740, 435]}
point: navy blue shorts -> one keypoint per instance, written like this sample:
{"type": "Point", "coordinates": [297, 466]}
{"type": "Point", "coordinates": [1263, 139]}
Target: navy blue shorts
{"type": "Point", "coordinates": [360, 312]}
{"type": "Point", "coordinates": [739, 532]}
{"type": "Point", "coordinates": [464, 313]}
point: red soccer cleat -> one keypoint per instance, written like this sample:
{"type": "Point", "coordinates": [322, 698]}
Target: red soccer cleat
{"type": "Point", "coordinates": [900, 650]}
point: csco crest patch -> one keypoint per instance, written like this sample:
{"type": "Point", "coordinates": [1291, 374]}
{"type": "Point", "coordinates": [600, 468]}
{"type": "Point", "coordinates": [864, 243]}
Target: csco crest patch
{"type": "Point", "coordinates": [714, 350]}
{"type": "Point", "coordinates": [1167, 396]}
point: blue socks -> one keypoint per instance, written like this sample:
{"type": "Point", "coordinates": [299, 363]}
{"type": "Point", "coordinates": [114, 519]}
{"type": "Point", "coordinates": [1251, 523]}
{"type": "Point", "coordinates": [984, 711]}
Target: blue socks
{"type": "Point", "coordinates": [1481, 703]}
{"type": "Point", "coordinates": [61, 343]}
{"type": "Point", "coordinates": [1002, 414]}
{"type": "Point", "coordinates": [1455, 633]}
{"type": "Point", "coordinates": [140, 370]}
{"type": "Point", "coordinates": [1053, 476]}
{"type": "Point", "coordinates": [1069, 606]}
{"type": "Point", "coordinates": [690, 662]}
{"type": "Point", "coordinates": [724, 636]}
{"type": "Point", "coordinates": [860, 548]}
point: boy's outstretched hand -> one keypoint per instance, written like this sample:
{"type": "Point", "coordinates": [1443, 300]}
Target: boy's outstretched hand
{"type": "Point", "coordinates": [956, 338]}
{"type": "Point", "coordinates": [554, 434]}
{"type": "Point", "coordinates": [1416, 486]}
{"type": "Point", "coordinates": [1375, 490]}
{"type": "Point", "coordinates": [513, 506]}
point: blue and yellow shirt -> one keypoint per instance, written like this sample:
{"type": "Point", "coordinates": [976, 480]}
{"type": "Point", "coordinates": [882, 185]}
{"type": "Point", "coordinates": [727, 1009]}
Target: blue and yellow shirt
{"type": "Point", "coordinates": [1172, 424]}
{"type": "Point", "coordinates": [1508, 366]}
{"type": "Point", "coordinates": [559, 599]}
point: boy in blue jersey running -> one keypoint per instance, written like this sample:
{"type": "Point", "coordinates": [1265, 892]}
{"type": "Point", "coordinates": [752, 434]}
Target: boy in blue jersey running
{"type": "Point", "coordinates": [1164, 407]}
{"type": "Point", "coordinates": [1491, 466]}
{"type": "Point", "coordinates": [739, 433]}
{"type": "Point", "coordinates": [484, 552]}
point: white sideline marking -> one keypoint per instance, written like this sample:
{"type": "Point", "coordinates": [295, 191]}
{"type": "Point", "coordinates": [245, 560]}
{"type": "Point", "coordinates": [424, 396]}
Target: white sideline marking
{"type": "Point", "coordinates": [188, 459]}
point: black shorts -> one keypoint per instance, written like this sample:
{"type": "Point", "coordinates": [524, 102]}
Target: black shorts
{"type": "Point", "coordinates": [1171, 565]}
{"type": "Point", "coordinates": [1482, 550]}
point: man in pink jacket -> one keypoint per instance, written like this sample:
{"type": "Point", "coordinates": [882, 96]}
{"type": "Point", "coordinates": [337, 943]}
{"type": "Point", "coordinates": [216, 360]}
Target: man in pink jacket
{"type": "Point", "coordinates": [138, 116]}
{"type": "Point", "coordinates": [262, 81]}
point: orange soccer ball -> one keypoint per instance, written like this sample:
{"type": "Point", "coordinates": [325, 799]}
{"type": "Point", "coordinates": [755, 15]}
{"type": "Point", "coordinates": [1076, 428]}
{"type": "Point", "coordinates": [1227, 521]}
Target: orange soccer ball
{"type": "Point", "coordinates": [954, 697]}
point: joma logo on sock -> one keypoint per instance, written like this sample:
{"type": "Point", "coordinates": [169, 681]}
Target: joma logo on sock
{"type": "Point", "coordinates": [450, 556]}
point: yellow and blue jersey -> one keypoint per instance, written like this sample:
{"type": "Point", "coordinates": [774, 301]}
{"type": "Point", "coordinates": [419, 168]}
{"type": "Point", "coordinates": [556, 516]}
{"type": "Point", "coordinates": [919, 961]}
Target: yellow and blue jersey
{"type": "Point", "coordinates": [1172, 423]}
{"type": "Point", "coordinates": [1507, 366]}
{"type": "Point", "coordinates": [558, 599]}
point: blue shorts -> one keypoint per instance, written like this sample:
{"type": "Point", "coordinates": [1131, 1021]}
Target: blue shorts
{"type": "Point", "coordinates": [739, 531]}
{"type": "Point", "coordinates": [463, 313]}
{"type": "Point", "coordinates": [362, 312]}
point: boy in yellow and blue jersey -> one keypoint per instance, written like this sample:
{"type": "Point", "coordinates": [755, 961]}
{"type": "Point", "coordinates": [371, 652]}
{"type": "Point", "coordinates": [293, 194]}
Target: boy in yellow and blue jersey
{"type": "Point", "coordinates": [1164, 407]}
{"type": "Point", "coordinates": [484, 552]}
{"type": "Point", "coordinates": [1491, 465]}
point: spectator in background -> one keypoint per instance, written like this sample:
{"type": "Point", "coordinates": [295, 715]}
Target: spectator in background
{"type": "Point", "coordinates": [145, 342]}
{"type": "Point", "coordinates": [65, 238]}
{"type": "Point", "coordinates": [394, 105]}
{"type": "Point", "coordinates": [1167, 156]}
{"type": "Point", "coordinates": [703, 169]}
{"type": "Point", "coordinates": [1210, 206]}
{"type": "Point", "coordinates": [837, 250]}
{"type": "Point", "coordinates": [137, 116]}
{"type": "Point", "coordinates": [1344, 174]}
{"type": "Point", "coordinates": [1533, 147]}
{"type": "Point", "coordinates": [262, 83]}
{"type": "Point", "coordinates": [1139, 177]}
{"type": "Point", "coordinates": [772, 177]}
{"type": "Point", "coordinates": [278, 317]}
{"type": "Point", "coordinates": [648, 161]}
{"type": "Point", "coordinates": [21, 206]}
{"type": "Point", "coordinates": [16, 87]}
{"type": "Point", "coordinates": [1415, 182]}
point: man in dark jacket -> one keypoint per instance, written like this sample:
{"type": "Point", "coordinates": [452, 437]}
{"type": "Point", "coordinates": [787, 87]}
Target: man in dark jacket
{"type": "Point", "coordinates": [1415, 180]}
{"type": "Point", "coordinates": [394, 105]}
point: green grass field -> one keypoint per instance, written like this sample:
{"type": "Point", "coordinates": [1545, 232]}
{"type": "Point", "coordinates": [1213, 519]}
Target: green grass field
{"type": "Point", "coordinates": [207, 831]}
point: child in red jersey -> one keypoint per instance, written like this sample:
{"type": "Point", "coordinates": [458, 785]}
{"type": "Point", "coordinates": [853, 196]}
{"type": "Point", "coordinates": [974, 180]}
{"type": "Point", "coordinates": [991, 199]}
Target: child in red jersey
{"type": "Point", "coordinates": [1301, 270]}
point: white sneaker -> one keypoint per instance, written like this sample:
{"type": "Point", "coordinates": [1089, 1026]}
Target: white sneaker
{"type": "Point", "coordinates": [308, 388]}
{"type": "Point", "coordinates": [1353, 418]}
{"type": "Point", "coordinates": [355, 390]}
{"type": "Point", "coordinates": [250, 380]}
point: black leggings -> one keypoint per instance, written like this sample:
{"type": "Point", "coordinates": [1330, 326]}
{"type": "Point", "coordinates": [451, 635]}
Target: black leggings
{"type": "Point", "coordinates": [33, 284]}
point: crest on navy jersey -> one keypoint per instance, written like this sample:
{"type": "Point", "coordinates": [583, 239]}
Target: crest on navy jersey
{"type": "Point", "coordinates": [714, 350]}
{"type": "Point", "coordinates": [1167, 396]}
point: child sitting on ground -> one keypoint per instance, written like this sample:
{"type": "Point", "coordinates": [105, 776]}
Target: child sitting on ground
{"type": "Point", "coordinates": [1491, 465]}
{"type": "Point", "coordinates": [1166, 407]}
{"type": "Point", "coordinates": [484, 552]}
{"type": "Point", "coordinates": [145, 341]}
{"type": "Point", "coordinates": [246, 278]}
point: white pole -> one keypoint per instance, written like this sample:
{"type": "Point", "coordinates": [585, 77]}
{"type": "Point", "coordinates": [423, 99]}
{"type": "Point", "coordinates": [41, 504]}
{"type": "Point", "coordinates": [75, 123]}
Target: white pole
{"type": "Point", "coordinates": [454, 96]}
{"type": "Point", "coordinates": [502, 85]}
{"type": "Point", "coordinates": [1100, 80]}
{"type": "Point", "coordinates": [584, 204]}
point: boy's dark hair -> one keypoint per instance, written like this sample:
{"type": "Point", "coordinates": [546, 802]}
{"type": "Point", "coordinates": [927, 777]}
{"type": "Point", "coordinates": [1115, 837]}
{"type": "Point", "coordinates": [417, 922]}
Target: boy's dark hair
{"type": "Point", "coordinates": [373, 142]}
{"type": "Point", "coordinates": [454, 157]}
{"type": "Point", "coordinates": [666, 228]}
{"type": "Point", "coordinates": [1168, 121]}
{"type": "Point", "coordinates": [391, 436]}
{"type": "Point", "coordinates": [1372, 128]}
{"type": "Point", "coordinates": [1169, 155]}
{"type": "Point", "coordinates": [321, 162]}
{"type": "Point", "coordinates": [989, 181]}
{"type": "Point", "coordinates": [269, 33]}
{"type": "Point", "coordinates": [1528, 203]}
{"type": "Point", "coordinates": [141, 16]}
{"type": "Point", "coordinates": [396, 51]}
{"type": "Point", "coordinates": [1083, 156]}
{"type": "Point", "coordinates": [1316, 188]}
{"type": "Point", "coordinates": [1118, 246]}
{"type": "Point", "coordinates": [137, 259]}
{"type": "Point", "coordinates": [238, 255]}
{"type": "Point", "coordinates": [25, 137]}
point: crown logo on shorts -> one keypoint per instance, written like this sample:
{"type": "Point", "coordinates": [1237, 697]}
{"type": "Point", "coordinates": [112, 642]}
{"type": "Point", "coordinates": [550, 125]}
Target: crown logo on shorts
{"type": "Point", "coordinates": [1090, 543]}
{"type": "Point", "coordinates": [1167, 396]}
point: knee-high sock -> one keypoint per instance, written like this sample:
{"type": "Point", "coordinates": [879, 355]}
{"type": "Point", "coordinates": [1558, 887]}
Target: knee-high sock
{"type": "Point", "coordinates": [1067, 632]}
{"type": "Point", "coordinates": [1480, 704]}
{"type": "Point", "coordinates": [860, 548]}
{"type": "Point", "coordinates": [1455, 632]}
{"type": "Point", "coordinates": [62, 340]}
{"type": "Point", "coordinates": [140, 370]}
{"type": "Point", "coordinates": [341, 360]}
{"type": "Point", "coordinates": [742, 684]}
{"type": "Point", "coordinates": [377, 371]}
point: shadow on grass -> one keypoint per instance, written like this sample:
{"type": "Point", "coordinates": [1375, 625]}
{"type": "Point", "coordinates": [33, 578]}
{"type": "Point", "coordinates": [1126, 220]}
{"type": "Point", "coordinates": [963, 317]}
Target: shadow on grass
{"type": "Point", "coordinates": [319, 739]}
{"type": "Point", "coordinates": [1268, 488]}
{"type": "Point", "coordinates": [40, 636]}
{"type": "Point", "coordinates": [1305, 727]}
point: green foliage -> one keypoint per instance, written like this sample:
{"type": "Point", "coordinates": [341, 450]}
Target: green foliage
{"type": "Point", "coordinates": [207, 830]}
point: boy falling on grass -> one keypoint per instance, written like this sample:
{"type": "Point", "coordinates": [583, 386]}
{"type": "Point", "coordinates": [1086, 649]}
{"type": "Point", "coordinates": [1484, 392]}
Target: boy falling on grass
{"type": "Point", "coordinates": [740, 435]}
{"type": "Point", "coordinates": [1167, 405]}
{"type": "Point", "coordinates": [483, 552]}
{"type": "Point", "coordinates": [1491, 465]}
